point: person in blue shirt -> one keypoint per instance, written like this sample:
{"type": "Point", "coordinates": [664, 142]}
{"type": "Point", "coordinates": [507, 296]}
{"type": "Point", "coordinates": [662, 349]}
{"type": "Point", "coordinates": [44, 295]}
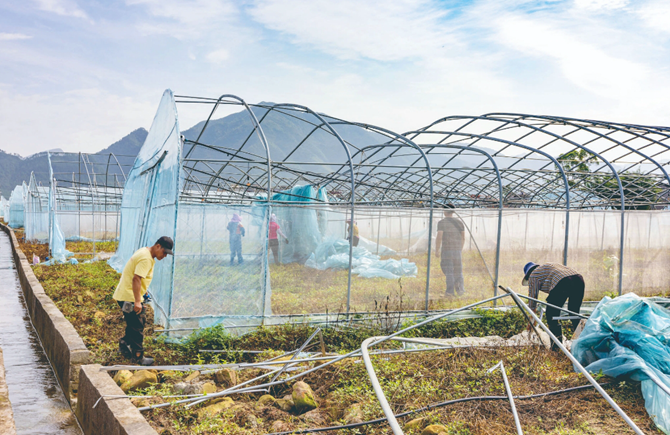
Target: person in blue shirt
{"type": "Point", "coordinates": [236, 233]}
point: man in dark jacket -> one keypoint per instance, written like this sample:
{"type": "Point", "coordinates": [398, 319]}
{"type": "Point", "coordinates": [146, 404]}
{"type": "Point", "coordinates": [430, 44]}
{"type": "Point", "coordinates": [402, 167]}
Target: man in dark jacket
{"type": "Point", "coordinates": [561, 283]}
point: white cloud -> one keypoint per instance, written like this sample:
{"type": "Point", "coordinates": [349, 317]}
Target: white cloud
{"type": "Point", "coordinates": [67, 8]}
{"type": "Point", "coordinates": [79, 120]}
{"type": "Point", "coordinates": [193, 18]}
{"type": "Point", "coordinates": [379, 30]}
{"type": "Point", "coordinates": [218, 56]}
{"type": "Point", "coordinates": [596, 5]}
{"type": "Point", "coordinates": [13, 36]}
{"type": "Point", "coordinates": [656, 15]}
{"type": "Point", "coordinates": [582, 62]}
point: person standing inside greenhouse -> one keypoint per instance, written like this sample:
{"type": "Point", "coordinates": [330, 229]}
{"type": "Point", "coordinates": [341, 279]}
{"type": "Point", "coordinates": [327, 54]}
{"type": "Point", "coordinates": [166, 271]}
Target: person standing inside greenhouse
{"type": "Point", "coordinates": [561, 283]}
{"type": "Point", "coordinates": [353, 228]}
{"type": "Point", "coordinates": [273, 239]}
{"type": "Point", "coordinates": [449, 243]}
{"type": "Point", "coordinates": [135, 279]}
{"type": "Point", "coordinates": [236, 233]}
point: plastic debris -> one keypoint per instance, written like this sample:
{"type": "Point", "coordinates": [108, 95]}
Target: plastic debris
{"type": "Point", "coordinates": [628, 336]}
{"type": "Point", "coordinates": [333, 253]}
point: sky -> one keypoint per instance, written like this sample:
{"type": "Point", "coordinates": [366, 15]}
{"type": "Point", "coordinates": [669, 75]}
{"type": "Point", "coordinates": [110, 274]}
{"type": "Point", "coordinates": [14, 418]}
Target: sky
{"type": "Point", "coordinates": [79, 75]}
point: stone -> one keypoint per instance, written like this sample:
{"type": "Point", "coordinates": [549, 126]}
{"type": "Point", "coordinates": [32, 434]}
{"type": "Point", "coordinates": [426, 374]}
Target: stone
{"type": "Point", "coordinates": [303, 397]}
{"type": "Point", "coordinates": [184, 388]}
{"type": "Point", "coordinates": [434, 429]}
{"type": "Point", "coordinates": [285, 405]}
{"type": "Point", "coordinates": [122, 376]}
{"type": "Point", "coordinates": [279, 426]}
{"type": "Point", "coordinates": [353, 414]}
{"type": "Point", "coordinates": [315, 417]}
{"type": "Point", "coordinates": [252, 421]}
{"type": "Point", "coordinates": [216, 409]}
{"type": "Point", "coordinates": [192, 376]}
{"type": "Point", "coordinates": [226, 377]}
{"type": "Point", "coordinates": [88, 293]}
{"type": "Point", "coordinates": [266, 400]}
{"type": "Point", "coordinates": [141, 379]}
{"type": "Point", "coordinates": [209, 388]}
{"type": "Point", "coordinates": [99, 315]}
{"type": "Point", "coordinates": [415, 424]}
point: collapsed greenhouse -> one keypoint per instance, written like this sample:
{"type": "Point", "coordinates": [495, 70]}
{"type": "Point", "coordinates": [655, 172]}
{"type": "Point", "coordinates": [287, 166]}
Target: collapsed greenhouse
{"type": "Point", "coordinates": [80, 203]}
{"type": "Point", "coordinates": [279, 212]}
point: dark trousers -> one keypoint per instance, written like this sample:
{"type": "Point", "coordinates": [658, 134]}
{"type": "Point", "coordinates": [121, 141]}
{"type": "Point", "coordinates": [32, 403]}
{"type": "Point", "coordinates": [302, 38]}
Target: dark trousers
{"type": "Point", "coordinates": [570, 288]}
{"type": "Point", "coordinates": [355, 241]}
{"type": "Point", "coordinates": [135, 329]}
{"type": "Point", "coordinates": [236, 249]}
{"type": "Point", "coordinates": [451, 264]}
{"type": "Point", "coordinates": [274, 247]}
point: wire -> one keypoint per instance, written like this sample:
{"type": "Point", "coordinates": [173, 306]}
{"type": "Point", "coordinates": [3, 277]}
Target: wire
{"type": "Point", "coordinates": [435, 405]}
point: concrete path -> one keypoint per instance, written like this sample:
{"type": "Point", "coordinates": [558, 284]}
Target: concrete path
{"type": "Point", "coordinates": [37, 400]}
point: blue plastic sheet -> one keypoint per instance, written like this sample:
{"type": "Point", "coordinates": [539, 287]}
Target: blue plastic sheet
{"type": "Point", "coordinates": [333, 253]}
{"type": "Point", "coordinates": [630, 336]}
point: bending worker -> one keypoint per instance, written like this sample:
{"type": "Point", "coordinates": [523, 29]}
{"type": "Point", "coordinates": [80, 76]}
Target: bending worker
{"type": "Point", "coordinates": [562, 283]}
{"type": "Point", "coordinates": [135, 279]}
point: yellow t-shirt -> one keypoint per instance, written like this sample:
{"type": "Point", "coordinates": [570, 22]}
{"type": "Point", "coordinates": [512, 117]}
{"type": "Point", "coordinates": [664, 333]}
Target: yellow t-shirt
{"type": "Point", "coordinates": [141, 264]}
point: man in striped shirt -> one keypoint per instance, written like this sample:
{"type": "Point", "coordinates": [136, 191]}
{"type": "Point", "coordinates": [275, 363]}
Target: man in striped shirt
{"type": "Point", "coordinates": [561, 283]}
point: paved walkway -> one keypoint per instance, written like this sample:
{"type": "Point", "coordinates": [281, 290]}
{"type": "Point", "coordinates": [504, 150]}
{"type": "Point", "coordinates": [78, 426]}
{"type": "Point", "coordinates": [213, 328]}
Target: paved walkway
{"type": "Point", "coordinates": [37, 400]}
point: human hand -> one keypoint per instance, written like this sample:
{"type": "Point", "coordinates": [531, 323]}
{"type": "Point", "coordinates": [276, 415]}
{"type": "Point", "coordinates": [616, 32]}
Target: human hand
{"type": "Point", "coordinates": [138, 307]}
{"type": "Point", "coordinates": [286, 240]}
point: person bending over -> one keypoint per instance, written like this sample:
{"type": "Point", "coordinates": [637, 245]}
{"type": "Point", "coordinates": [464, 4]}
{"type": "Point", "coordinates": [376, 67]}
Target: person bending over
{"type": "Point", "coordinates": [561, 283]}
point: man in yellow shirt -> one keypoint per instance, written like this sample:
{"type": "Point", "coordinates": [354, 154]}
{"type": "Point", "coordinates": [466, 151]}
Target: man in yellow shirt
{"type": "Point", "coordinates": [135, 279]}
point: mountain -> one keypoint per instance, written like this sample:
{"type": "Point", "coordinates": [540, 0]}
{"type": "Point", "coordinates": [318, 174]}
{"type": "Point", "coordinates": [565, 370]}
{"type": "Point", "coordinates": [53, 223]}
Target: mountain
{"type": "Point", "coordinates": [15, 169]}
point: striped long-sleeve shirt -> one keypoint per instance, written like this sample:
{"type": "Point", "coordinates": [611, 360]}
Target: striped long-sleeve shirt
{"type": "Point", "coordinates": [545, 277]}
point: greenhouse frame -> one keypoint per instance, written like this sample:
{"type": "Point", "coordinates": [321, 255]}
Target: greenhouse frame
{"type": "Point", "coordinates": [80, 203]}
{"type": "Point", "coordinates": [261, 205]}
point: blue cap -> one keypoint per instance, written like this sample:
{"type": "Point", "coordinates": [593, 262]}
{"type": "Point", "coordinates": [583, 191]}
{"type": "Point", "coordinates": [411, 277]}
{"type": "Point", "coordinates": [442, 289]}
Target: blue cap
{"type": "Point", "coordinates": [527, 267]}
{"type": "Point", "coordinates": [527, 270]}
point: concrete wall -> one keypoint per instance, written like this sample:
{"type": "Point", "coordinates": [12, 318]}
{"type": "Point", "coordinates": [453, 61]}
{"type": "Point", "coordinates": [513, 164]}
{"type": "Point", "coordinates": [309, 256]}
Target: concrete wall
{"type": "Point", "coordinates": [63, 346]}
{"type": "Point", "coordinates": [6, 415]}
{"type": "Point", "coordinates": [110, 416]}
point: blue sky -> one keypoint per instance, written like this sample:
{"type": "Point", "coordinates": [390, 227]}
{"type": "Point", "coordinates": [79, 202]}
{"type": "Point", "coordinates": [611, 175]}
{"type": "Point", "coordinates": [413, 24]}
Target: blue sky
{"type": "Point", "coordinates": [79, 75]}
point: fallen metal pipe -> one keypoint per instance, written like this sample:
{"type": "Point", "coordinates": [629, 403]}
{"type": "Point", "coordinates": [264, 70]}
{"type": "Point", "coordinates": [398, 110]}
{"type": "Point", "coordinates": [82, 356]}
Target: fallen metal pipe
{"type": "Point", "coordinates": [509, 395]}
{"type": "Point", "coordinates": [388, 412]}
{"type": "Point", "coordinates": [337, 359]}
{"type": "Point", "coordinates": [576, 363]}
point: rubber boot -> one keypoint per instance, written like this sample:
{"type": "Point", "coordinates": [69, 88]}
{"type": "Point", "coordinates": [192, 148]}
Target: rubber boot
{"type": "Point", "coordinates": [142, 360]}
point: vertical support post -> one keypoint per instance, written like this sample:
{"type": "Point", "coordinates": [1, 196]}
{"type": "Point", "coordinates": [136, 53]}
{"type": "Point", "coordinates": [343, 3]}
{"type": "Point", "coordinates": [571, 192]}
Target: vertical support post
{"type": "Point", "coordinates": [621, 247]}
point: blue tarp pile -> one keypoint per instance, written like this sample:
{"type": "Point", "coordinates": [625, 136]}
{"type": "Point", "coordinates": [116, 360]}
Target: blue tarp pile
{"type": "Point", "coordinates": [630, 336]}
{"type": "Point", "coordinates": [333, 253]}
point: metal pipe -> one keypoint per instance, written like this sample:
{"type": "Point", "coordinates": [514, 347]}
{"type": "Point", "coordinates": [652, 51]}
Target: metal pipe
{"type": "Point", "coordinates": [274, 378]}
{"type": "Point", "coordinates": [340, 358]}
{"type": "Point", "coordinates": [388, 412]}
{"type": "Point", "coordinates": [576, 363]}
{"type": "Point", "coordinates": [509, 395]}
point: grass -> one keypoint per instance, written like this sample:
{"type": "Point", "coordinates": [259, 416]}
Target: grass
{"type": "Point", "coordinates": [414, 381]}
{"type": "Point", "coordinates": [83, 293]}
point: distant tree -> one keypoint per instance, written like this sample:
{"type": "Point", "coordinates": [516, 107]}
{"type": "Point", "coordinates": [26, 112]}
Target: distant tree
{"type": "Point", "coordinates": [641, 191]}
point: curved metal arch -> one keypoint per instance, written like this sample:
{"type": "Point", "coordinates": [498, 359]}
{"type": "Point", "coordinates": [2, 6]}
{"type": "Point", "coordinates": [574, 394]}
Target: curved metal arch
{"type": "Point", "coordinates": [572, 122]}
{"type": "Point", "coordinates": [257, 128]}
{"type": "Point", "coordinates": [353, 186]}
{"type": "Point", "coordinates": [541, 152]}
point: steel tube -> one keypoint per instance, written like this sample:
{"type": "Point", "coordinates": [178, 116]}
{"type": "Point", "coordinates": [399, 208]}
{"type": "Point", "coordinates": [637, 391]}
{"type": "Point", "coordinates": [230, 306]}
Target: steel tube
{"type": "Point", "coordinates": [576, 363]}
{"type": "Point", "coordinates": [509, 395]}
{"type": "Point", "coordinates": [388, 412]}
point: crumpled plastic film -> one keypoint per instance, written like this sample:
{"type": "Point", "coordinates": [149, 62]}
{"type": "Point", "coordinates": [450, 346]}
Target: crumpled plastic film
{"type": "Point", "coordinates": [16, 207]}
{"type": "Point", "coordinates": [629, 336]}
{"type": "Point", "coordinates": [56, 238]}
{"type": "Point", "coordinates": [333, 253]}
